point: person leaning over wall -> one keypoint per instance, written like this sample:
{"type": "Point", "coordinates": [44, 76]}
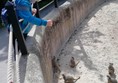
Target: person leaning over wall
{"type": "Point", "coordinates": [25, 11]}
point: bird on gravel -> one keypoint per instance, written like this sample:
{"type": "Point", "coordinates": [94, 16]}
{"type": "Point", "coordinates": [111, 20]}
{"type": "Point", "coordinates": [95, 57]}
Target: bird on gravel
{"type": "Point", "coordinates": [69, 79]}
{"type": "Point", "coordinates": [111, 80]}
{"type": "Point", "coordinates": [111, 70]}
{"type": "Point", "coordinates": [73, 63]}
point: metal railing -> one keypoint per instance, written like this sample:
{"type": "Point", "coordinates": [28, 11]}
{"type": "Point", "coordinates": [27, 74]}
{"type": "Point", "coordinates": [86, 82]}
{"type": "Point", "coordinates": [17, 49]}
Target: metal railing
{"type": "Point", "coordinates": [46, 5]}
{"type": "Point", "coordinates": [37, 7]}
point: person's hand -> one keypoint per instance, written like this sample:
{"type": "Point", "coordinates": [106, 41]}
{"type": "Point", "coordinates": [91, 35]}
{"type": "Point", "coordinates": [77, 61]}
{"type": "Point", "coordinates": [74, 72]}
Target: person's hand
{"type": "Point", "coordinates": [34, 11]}
{"type": "Point", "coordinates": [49, 23]}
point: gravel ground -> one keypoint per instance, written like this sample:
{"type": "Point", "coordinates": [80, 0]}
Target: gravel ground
{"type": "Point", "coordinates": [95, 45]}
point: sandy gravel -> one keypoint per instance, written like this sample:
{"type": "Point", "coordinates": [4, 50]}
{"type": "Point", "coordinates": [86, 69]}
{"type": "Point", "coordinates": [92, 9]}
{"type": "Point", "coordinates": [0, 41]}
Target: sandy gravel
{"type": "Point", "coordinates": [95, 45]}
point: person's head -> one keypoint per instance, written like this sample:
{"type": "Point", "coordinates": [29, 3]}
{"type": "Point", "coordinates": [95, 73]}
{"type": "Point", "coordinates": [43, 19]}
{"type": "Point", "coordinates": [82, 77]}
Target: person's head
{"type": "Point", "coordinates": [33, 1]}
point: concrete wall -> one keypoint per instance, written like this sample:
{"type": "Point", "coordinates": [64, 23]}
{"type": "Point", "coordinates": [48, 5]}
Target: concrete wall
{"type": "Point", "coordinates": [48, 42]}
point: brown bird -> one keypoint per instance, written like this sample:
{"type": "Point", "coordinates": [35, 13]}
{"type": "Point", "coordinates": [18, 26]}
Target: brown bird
{"type": "Point", "coordinates": [111, 80]}
{"type": "Point", "coordinates": [55, 65]}
{"type": "Point", "coordinates": [72, 62]}
{"type": "Point", "coordinates": [69, 79]}
{"type": "Point", "coordinates": [111, 69]}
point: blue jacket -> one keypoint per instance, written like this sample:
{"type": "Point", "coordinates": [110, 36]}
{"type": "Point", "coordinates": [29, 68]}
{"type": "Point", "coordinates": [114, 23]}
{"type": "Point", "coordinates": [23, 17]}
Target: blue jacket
{"type": "Point", "coordinates": [27, 14]}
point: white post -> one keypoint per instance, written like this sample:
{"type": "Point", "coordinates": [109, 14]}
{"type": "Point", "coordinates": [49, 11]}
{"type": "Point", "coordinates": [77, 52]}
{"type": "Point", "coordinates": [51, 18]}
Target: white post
{"type": "Point", "coordinates": [17, 63]}
{"type": "Point", "coordinates": [10, 63]}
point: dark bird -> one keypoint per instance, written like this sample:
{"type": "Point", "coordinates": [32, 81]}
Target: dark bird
{"type": "Point", "coordinates": [73, 63]}
{"type": "Point", "coordinates": [111, 80]}
{"type": "Point", "coordinates": [111, 69]}
{"type": "Point", "coordinates": [55, 65]}
{"type": "Point", "coordinates": [69, 79]}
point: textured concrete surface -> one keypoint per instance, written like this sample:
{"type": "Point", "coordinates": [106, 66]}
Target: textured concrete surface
{"type": "Point", "coordinates": [95, 45]}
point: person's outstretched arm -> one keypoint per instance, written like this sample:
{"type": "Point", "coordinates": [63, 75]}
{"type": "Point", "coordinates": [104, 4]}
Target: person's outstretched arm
{"type": "Point", "coordinates": [27, 14]}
